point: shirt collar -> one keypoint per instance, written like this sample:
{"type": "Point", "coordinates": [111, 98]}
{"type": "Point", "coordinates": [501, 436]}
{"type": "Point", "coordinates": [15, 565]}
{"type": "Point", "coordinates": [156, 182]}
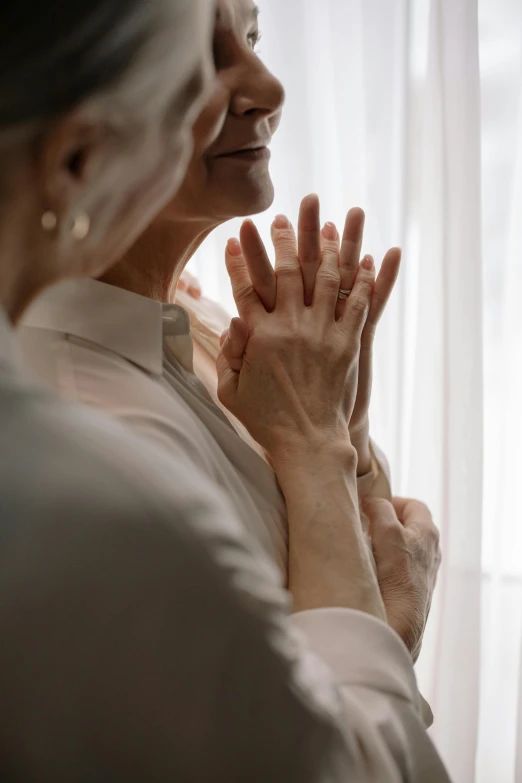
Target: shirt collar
{"type": "Point", "coordinates": [120, 321]}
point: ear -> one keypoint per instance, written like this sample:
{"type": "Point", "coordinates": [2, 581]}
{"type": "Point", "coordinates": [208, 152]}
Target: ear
{"type": "Point", "coordinates": [67, 158]}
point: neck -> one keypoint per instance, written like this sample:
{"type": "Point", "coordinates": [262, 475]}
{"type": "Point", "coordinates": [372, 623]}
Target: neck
{"type": "Point", "coordinates": [27, 263]}
{"type": "Point", "coordinates": [153, 265]}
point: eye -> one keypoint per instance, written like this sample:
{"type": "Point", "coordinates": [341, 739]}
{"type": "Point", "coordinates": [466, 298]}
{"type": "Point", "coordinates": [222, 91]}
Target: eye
{"type": "Point", "coordinates": [253, 39]}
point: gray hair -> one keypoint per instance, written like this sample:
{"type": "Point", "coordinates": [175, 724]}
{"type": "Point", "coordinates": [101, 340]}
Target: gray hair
{"type": "Point", "coordinates": [58, 53]}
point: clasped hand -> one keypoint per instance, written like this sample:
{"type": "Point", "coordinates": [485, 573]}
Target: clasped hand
{"type": "Point", "coordinates": [298, 361]}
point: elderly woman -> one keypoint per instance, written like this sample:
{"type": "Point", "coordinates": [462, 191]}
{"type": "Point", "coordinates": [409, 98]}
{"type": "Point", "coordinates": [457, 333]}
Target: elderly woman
{"type": "Point", "coordinates": [117, 343]}
{"type": "Point", "coordinates": [97, 101]}
{"type": "Point", "coordinates": [228, 176]}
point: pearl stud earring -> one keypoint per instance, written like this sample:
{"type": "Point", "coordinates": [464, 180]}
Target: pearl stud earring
{"type": "Point", "coordinates": [49, 221]}
{"type": "Point", "coordinates": [81, 226]}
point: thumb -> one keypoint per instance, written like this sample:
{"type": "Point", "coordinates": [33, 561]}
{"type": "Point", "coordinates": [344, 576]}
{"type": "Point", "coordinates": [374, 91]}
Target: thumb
{"type": "Point", "coordinates": [230, 361]}
{"type": "Point", "coordinates": [234, 344]}
{"type": "Point", "coordinates": [228, 380]}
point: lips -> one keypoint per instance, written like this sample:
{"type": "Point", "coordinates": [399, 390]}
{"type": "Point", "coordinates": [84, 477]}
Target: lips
{"type": "Point", "coordinates": [257, 148]}
{"type": "Point", "coordinates": [260, 153]}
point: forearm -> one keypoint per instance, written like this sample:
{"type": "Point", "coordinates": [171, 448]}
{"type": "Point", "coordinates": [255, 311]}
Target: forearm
{"type": "Point", "coordinates": [329, 561]}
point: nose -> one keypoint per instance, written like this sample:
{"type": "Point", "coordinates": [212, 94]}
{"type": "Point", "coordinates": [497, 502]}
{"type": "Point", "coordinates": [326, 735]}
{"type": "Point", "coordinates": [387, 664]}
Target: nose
{"type": "Point", "coordinates": [257, 92]}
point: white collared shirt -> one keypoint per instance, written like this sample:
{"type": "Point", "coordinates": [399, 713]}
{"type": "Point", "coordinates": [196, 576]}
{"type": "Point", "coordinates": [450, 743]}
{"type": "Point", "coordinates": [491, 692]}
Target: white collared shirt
{"type": "Point", "coordinates": [128, 599]}
{"type": "Point", "coordinates": [132, 357]}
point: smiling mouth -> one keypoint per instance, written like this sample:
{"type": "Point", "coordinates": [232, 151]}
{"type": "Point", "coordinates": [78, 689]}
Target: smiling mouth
{"type": "Point", "coordinates": [259, 153]}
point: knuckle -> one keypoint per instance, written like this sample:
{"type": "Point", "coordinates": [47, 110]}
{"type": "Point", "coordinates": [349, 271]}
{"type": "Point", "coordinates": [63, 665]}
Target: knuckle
{"type": "Point", "coordinates": [329, 279]}
{"type": "Point", "coordinates": [289, 269]}
{"type": "Point", "coordinates": [377, 508]}
{"type": "Point", "coordinates": [331, 248]}
{"type": "Point", "coordinates": [359, 304]}
{"type": "Point", "coordinates": [421, 509]}
{"type": "Point", "coordinates": [433, 536]}
{"type": "Point", "coordinates": [395, 532]}
{"type": "Point", "coordinates": [243, 293]}
{"type": "Point", "coordinates": [391, 538]}
{"type": "Point", "coordinates": [284, 241]}
{"type": "Point", "coordinates": [284, 235]}
{"type": "Point", "coordinates": [235, 264]}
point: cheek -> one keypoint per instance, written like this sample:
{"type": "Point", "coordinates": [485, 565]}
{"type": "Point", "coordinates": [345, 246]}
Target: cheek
{"type": "Point", "coordinates": [167, 171]}
{"type": "Point", "coordinates": [210, 122]}
{"type": "Point", "coordinates": [275, 121]}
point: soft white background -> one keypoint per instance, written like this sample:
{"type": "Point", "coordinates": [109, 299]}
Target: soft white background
{"type": "Point", "coordinates": [412, 109]}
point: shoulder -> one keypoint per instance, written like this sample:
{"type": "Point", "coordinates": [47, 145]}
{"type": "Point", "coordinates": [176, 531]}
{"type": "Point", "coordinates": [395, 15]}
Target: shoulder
{"type": "Point", "coordinates": [60, 458]}
{"type": "Point", "coordinates": [85, 373]}
{"type": "Point", "coordinates": [70, 463]}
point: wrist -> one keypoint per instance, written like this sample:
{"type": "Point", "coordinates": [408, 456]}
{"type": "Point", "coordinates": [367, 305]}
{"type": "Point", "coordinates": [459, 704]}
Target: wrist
{"type": "Point", "coordinates": [320, 454]}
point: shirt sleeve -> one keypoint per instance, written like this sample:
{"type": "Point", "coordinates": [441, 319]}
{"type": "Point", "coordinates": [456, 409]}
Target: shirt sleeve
{"type": "Point", "coordinates": [377, 483]}
{"type": "Point", "coordinates": [159, 662]}
{"type": "Point", "coordinates": [350, 673]}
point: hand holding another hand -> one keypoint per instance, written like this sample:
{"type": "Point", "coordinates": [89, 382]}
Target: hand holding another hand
{"type": "Point", "coordinates": [310, 246]}
{"type": "Point", "coordinates": [407, 555]}
{"type": "Point", "coordinates": [285, 374]}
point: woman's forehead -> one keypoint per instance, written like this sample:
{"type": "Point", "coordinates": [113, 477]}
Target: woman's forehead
{"type": "Point", "coordinates": [234, 12]}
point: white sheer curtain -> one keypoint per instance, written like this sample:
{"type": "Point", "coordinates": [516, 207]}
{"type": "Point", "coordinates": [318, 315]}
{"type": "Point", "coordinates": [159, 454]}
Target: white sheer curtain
{"type": "Point", "coordinates": [384, 111]}
{"type": "Point", "coordinates": [501, 61]}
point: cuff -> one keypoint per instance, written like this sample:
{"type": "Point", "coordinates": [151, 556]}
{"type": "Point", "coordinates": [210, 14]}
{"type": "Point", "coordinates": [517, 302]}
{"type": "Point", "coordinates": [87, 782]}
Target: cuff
{"type": "Point", "coordinates": [361, 651]}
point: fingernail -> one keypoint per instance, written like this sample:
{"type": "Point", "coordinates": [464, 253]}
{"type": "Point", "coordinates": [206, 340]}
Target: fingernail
{"type": "Point", "coordinates": [233, 247]}
{"type": "Point", "coordinates": [330, 232]}
{"type": "Point", "coordinates": [281, 221]}
{"type": "Point", "coordinates": [368, 263]}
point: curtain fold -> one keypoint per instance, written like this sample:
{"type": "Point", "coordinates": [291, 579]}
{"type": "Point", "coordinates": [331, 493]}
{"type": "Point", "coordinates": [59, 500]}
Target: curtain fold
{"type": "Point", "coordinates": [444, 451]}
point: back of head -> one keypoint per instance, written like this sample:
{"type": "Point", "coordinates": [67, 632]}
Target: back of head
{"type": "Point", "coordinates": [55, 54]}
{"type": "Point", "coordinates": [97, 102]}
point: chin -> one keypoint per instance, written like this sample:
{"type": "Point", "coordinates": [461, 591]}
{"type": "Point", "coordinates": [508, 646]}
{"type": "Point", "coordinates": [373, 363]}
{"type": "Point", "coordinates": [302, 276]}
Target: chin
{"type": "Point", "coordinates": [249, 198]}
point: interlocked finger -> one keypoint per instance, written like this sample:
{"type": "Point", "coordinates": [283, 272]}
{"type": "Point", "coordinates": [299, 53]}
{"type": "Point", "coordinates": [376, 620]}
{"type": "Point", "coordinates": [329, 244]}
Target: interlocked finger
{"type": "Point", "coordinates": [247, 301]}
{"type": "Point", "coordinates": [258, 263]}
{"type": "Point", "coordinates": [350, 255]}
{"type": "Point", "coordinates": [309, 243]}
{"type": "Point", "coordinates": [327, 284]}
{"type": "Point", "coordinates": [290, 291]}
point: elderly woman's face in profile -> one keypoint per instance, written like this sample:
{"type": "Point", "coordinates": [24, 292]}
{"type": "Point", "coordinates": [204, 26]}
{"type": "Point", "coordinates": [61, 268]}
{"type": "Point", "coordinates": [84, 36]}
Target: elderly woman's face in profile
{"type": "Point", "coordinates": [229, 172]}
